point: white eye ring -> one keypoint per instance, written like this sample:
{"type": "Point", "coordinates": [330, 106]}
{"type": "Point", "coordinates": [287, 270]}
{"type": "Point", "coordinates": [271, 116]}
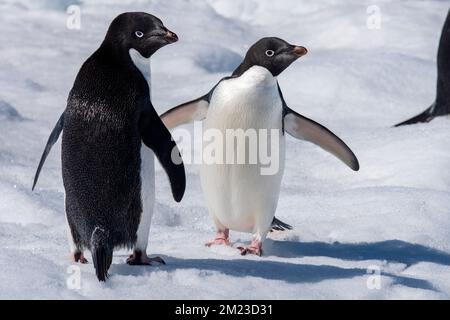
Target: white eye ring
{"type": "Point", "coordinates": [139, 34]}
{"type": "Point", "coordinates": [270, 53]}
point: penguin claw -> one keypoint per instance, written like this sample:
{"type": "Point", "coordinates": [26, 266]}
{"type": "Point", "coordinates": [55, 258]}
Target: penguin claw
{"type": "Point", "coordinates": [250, 250]}
{"type": "Point", "coordinates": [139, 258]}
{"type": "Point", "coordinates": [83, 260]}
{"type": "Point", "coordinates": [79, 257]}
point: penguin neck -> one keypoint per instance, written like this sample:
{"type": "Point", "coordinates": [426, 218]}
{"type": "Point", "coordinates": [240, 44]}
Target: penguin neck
{"type": "Point", "coordinates": [244, 66]}
{"type": "Point", "coordinates": [258, 76]}
{"type": "Point", "coordinates": [113, 52]}
{"type": "Point", "coordinates": [128, 62]}
{"type": "Point", "coordinates": [142, 64]}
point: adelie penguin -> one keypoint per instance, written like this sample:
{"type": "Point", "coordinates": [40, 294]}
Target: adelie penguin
{"type": "Point", "coordinates": [110, 135]}
{"type": "Point", "coordinates": [441, 105]}
{"type": "Point", "coordinates": [239, 197]}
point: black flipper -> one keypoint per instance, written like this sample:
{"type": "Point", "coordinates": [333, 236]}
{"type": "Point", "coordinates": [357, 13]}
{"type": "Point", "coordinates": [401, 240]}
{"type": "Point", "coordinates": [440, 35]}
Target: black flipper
{"type": "Point", "coordinates": [278, 225]}
{"type": "Point", "coordinates": [425, 116]}
{"type": "Point", "coordinates": [303, 128]}
{"type": "Point", "coordinates": [51, 141]}
{"type": "Point", "coordinates": [158, 138]}
{"type": "Point", "coordinates": [194, 110]}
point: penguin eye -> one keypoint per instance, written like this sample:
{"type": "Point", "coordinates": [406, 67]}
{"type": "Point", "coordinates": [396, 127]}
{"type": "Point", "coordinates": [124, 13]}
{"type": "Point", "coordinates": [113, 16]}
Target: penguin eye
{"type": "Point", "coordinates": [139, 34]}
{"type": "Point", "coordinates": [270, 53]}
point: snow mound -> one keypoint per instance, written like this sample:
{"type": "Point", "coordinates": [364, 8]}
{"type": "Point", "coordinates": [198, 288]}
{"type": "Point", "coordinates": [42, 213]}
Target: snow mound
{"type": "Point", "coordinates": [215, 59]}
{"type": "Point", "coordinates": [8, 112]}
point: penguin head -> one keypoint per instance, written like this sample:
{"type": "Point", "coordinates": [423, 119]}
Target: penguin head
{"type": "Point", "coordinates": [272, 53]}
{"type": "Point", "coordinates": [140, 31]}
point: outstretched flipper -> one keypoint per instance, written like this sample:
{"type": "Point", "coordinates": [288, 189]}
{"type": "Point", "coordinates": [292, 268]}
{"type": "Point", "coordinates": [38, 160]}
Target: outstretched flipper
{"type": "Point", "coordinates": [51, 141]}
{"type": "Point", "coordinates": [186, 112]}
{"type": "Point", "coordinates": [194, 110]}
{"type": "Point", "coordinates": [158, 138]}
{"type": "Point", "coordinates": [303, 128]}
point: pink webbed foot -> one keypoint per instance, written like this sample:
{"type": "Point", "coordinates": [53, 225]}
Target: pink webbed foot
{"type": "Point", "coordinates": [140, 258]}
{"type": "Point", "coordinates": [254, 248]}
{"type": "Point", "coordinates": [221, 239]}
{"type": "Point", "coordinates": [79, 257]}
{"type": "Point", "coordinates": [218, 241]}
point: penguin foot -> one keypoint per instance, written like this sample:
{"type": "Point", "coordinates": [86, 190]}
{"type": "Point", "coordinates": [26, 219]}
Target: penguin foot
{"type": "Point", "coordinates": [140, 258]}
{"type": "Point", "coordinates": [222, 237]}
{"type": "Point", "coordinates": [250, 250]}
{"type": "Point", "coordinates": [218, 241]}
{"type": "Point", "coordinates": [79, 257]}
{"type": "Point", "coordinates": [254, 248]}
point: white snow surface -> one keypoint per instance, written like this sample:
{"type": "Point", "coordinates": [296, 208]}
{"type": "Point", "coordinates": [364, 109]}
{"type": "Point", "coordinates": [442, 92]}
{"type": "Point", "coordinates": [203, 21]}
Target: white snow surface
{"type": "Point", "coordinates": [394, 214]}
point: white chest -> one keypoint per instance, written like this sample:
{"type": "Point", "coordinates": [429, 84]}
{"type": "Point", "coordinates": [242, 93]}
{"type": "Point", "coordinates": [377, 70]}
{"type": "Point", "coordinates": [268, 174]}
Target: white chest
{"type": "Point", "coordinates": [147, 170]}
{"type": "Point", "coordinates": [243, 195]}
{"type": "Point", "coordinates": [250, 101]}
{"type": "Point", "coordinates": [144, 66]}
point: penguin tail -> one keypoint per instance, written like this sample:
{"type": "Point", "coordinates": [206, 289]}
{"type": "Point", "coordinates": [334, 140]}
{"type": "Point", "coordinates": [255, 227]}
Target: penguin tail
{"type": "Point", "coordinates": [425, 116]}
{"type": "Point", "coordinates": [278, 225]}
{"type": "Point", "coordinates": [102, 253]}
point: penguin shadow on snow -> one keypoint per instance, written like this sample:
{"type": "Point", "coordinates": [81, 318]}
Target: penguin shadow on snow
{"type": "Point", "coordinates": [392, 251]}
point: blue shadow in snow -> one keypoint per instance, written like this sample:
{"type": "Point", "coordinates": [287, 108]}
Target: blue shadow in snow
{"type": "Point", "coordinates": [268, 270]}
{"type": "Point", "coordinates": [391, 250]}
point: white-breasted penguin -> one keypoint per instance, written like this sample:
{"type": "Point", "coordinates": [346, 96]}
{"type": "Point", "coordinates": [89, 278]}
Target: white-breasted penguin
{"type": "Point", "coordinates": [239, 197]}
{"type": "Point", "coordinates": [110, 135]}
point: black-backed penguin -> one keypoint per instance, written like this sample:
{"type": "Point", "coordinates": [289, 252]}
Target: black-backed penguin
{"type": "Point", "coordinates": [239, 196]}
{"type": "Point", "coordinates": [110, 132]}
{"type": "Point", "coordinates": [441, 105]}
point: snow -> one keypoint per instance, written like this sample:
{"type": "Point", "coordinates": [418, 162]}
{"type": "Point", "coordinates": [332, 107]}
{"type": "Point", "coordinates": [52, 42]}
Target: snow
{"type": "Point", "coordinates": [393, 215]}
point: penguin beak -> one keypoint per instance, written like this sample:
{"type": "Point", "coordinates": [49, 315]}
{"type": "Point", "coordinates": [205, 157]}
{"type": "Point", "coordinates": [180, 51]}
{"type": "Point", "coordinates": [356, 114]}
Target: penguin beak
{"type": "Point", "coordinates": [299, 51]}
{"type": "Point", "coordinates": [170, 37]}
